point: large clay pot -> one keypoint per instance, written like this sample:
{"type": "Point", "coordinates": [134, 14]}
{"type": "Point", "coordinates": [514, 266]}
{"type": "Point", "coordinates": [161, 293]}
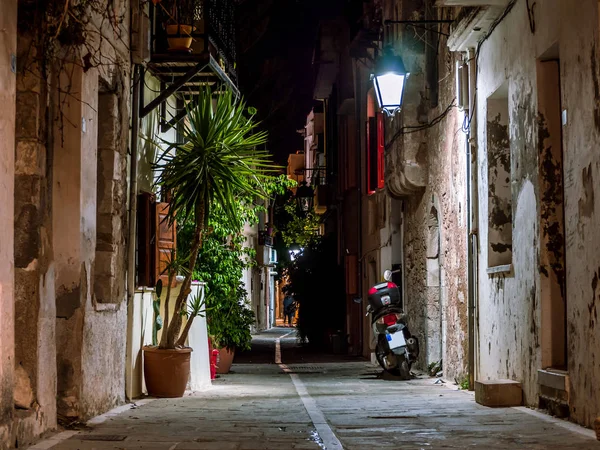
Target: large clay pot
{"type": "Point", "coordinates": [179, 37]}
{"type": "Point", "coordinates": [225, 360]}
{"type": "Point", "coordinates": [166, 371]}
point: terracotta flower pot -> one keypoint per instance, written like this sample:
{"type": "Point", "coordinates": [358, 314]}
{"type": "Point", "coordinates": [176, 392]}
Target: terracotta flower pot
{"type": "Point", "coordinates": [179, 37]}
{"type": "Point", "coordinates": [225, 360]}
{"type": "Point", "coordinates": [166, 371]}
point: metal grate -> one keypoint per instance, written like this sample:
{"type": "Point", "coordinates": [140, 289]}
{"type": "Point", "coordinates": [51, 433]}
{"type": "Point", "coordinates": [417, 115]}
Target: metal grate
{"type": "Point", "coordinates": [101, 437]}
{"type": "Point", "coordinates": [304, 369]}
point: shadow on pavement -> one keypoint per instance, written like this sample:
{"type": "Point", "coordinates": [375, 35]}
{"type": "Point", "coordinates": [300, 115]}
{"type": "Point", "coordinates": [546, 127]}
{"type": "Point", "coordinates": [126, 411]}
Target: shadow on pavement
{"type": "Point", "coordinates": [292, 351]}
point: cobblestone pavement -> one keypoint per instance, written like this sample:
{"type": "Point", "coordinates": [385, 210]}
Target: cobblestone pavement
{"type": "Point", "coordinates": [316, 405]}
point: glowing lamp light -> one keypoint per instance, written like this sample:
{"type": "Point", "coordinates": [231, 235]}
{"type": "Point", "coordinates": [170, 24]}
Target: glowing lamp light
{"type": "Point", "coordinates": [305, 197]}
{"type": "Point", "coordinates": [389, 81]}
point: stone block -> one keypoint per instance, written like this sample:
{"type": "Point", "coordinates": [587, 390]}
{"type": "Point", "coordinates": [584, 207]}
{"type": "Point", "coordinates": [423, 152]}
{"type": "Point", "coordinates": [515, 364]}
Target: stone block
{"type": "Point", "coordinates": [104, 289]}
{"type": "Point", "coordinates": [105, 264]}
{"type": "Point", "coordinates": [553, 379]}
{"type": "Point", "coordinates": [27, 234]}
{"type": "Point", "coordinates": [105, 225]}
{"type": "Point", "coordinates": [498, 393]}
{"type": "Point", "coordinates": [23, 392]}
{"type": "Point", "coordinates": [27, 189]}
{"type": "Point", "coordinates": [27, 117]}
{"type": "Point", "coordinates": [30, 158]}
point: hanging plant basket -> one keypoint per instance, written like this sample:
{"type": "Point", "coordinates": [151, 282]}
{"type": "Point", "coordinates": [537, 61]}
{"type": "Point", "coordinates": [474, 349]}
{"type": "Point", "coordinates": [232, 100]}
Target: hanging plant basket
{"type": "Point", "coordinates": [179, 37]}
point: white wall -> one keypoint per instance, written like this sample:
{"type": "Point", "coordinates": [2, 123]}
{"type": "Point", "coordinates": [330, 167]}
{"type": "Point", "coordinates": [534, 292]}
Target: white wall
{"type": "Point", "coordinates": [510, 319]}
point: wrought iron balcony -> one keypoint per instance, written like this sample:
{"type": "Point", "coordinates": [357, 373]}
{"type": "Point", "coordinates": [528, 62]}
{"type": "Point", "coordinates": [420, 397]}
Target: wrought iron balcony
{"type": "Point", "coordinates": [192, 44]}
{"type": "Point", "coordinates": [187, 32]}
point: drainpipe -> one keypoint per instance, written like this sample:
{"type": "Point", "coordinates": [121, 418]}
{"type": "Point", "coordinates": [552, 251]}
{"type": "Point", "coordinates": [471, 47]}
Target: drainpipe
{"type": "Point", "coordinates": [359, 262]}
{"type": "Point", "coordinates": [135, 126]}
{"type": "Point", "coordinates": [135, 123]}
{"type": "Point", "coordinates": [473, 217]}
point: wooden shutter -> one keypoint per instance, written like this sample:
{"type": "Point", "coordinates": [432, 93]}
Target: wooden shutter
{"type": "Point", "coordinates": [146, 205]}
{"type": "Point", "coordinates": [372, 155]}
{"type": "Point", "coordinates": [380, 151]}
{"type": "Point", "coordinates": [351, 152]}
{"type": "Point", "coordinates": [166, 242]}
{"type": "Point", "coordinates": [351, 275]}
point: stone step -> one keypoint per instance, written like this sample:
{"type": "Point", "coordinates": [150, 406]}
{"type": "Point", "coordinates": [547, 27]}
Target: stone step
{"type": "Point", "coordinates": [498, 393]}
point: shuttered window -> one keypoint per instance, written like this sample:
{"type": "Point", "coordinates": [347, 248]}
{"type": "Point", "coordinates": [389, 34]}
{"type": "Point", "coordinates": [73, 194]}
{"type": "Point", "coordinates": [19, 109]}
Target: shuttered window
{"type": "Point", "coordinates": [375, 153]}
{"type": "Point", "coordinates": [166, 242]}
{"type": "Point", "coordinates": [380, 151]}
{"type": "Point", "coordinates": [156, 241]}
{"type": "Point", "coordinates": [146, 230]}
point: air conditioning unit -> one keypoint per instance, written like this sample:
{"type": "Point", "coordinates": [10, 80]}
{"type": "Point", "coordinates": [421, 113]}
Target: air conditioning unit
{"type": "Point", "coordinates": [272, 256]}
{"type": "Point", "coordinates": [140, 32]}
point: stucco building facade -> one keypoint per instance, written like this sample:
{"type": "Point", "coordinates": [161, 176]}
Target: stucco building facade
{"type": "Point", "coordinates": [534, 133]}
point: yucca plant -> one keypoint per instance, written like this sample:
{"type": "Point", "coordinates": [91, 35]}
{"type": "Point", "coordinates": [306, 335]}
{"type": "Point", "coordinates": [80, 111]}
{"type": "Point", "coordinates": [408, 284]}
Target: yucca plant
{"type": "Point", "coordinates": [220, 157]}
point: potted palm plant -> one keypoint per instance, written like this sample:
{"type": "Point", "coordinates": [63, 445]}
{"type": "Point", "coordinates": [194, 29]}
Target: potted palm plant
{"type": "Point", "coordinates": [216, 160]}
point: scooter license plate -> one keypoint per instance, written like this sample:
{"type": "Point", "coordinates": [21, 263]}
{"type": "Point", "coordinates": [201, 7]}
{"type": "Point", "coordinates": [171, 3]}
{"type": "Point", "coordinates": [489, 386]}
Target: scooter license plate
{"type": "Point", "coordinates": [396, 340]}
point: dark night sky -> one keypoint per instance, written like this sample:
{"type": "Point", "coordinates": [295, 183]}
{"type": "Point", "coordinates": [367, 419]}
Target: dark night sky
{"type": "Point", "coordinates": [276, 42]}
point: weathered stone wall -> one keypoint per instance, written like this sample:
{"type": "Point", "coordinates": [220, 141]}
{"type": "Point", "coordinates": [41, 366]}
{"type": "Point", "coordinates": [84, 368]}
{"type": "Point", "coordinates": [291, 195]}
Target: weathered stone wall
{"type": "Point", "coordinates": [8, 48]}
{"type": "Point", "coordinates": [435, 272]}
{"type": "Point", "coordinates": [35, 362]}
{"type": "Point", "coordinates": [69, 326]}
{"type": "Point", "coordinates": [435, 208]}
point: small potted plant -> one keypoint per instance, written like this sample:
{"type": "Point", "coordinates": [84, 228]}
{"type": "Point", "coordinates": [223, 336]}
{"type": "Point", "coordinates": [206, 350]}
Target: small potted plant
{"type": "Point", "coordinates": [229, 325]}
{"type": "Point", "coordinates": [179, 23]}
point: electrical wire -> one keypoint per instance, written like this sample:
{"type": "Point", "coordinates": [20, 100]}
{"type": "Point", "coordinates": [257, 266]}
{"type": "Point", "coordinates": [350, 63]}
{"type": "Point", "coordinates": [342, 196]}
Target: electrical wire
{"type": "Point", "coordinates": [416, 128]}
{"type": "Point", "coordinates": [467, 124]}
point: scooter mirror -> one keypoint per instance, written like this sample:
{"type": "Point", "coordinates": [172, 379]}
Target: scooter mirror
{"type": "Point", "coordinates": [387, 275]}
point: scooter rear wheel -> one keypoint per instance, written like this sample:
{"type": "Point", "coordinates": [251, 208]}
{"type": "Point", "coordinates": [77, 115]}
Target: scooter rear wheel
{"type": "Point", "coordinates": [393, 364]}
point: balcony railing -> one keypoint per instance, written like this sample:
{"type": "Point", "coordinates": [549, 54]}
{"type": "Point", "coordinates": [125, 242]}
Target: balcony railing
{"type": "Point", "coordinates": [265, 239]}
{"type": "Point", "coordinates": [213, 31]}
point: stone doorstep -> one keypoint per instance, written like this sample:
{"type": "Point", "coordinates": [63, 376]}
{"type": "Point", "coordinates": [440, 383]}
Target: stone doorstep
{"type": "Point", "coordinates": [555, 379]}
{"type": "Point", "coordinates": [554, 392]}
{"type": "Point", "coordinates": [495, 393]}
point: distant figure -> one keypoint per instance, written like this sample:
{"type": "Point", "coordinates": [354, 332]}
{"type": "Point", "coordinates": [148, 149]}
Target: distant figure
{"type": "Point", "coordinates": [289, 309]}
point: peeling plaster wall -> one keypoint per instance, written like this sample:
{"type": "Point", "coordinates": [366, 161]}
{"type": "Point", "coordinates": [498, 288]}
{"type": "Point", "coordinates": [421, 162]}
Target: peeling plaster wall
{"type": "Point", "coordinates": [91, 336]}
{"type": "Point", "coordinates": [581, 137]}
{"type": "Point", "coordinates": [91, 322]}
{"type": "Point", "coordinates": [8, 47]}
{"type": "Point", "coordinates": [509, 303]}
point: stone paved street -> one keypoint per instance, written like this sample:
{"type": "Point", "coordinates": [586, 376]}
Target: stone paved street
{"type": "Point", "coordinates": [316, 404]}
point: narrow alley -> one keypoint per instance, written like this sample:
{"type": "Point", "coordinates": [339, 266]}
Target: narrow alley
{"type": "Point", "coordinates": [305, 402]}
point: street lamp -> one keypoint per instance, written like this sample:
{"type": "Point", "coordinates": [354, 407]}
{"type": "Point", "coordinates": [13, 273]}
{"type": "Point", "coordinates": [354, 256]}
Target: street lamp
{"type": "Point", "coordinates": [305, 197]}
{"type": "Point", "coordinates": [389, 80]}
